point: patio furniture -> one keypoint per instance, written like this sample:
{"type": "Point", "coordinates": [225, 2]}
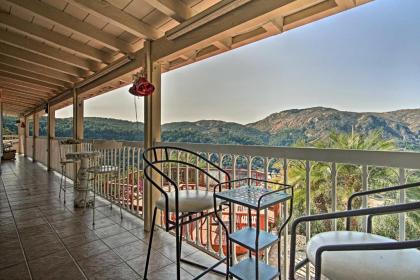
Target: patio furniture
{"type": "Point", "coordinates": [103, 167]}
{"type": "Point", "coordinates": [64, 148]}
{"type": "Point", "coordinates": [360, 255]}
{"type": "Point", "coordinates": [181, 206]}
{"type": "Point", "coordinates": [256, 198]}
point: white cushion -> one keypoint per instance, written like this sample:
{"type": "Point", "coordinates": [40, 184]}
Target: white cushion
{"type": "Point", "coordinates": [189, 201]}
{"type": "Point", "coordinates": [359, 265]}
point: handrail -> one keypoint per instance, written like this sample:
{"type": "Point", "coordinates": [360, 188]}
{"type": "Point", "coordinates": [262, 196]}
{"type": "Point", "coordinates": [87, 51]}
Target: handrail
{"type": "Point", "coordinates": [401, 159]}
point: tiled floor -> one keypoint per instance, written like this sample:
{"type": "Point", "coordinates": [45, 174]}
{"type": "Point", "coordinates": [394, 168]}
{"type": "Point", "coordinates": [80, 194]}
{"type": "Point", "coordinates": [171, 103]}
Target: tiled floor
{"type": "Point", "coordinates": [41, 238]}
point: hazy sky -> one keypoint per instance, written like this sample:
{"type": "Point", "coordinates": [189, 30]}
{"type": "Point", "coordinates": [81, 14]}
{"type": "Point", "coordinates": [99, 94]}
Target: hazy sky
{"type": "Point", "coordinates": [365, 59]}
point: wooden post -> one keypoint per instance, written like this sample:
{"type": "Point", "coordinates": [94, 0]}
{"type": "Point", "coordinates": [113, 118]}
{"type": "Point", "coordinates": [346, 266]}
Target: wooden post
{"type": "Point", "coordinates": [21, 134]}
{"type": "Point", "coordinates": [35, 135]}
{"type": "Point", "coordinates": [51, 135]}
{"type": "Point", "coordinates": [78, 118]}
{"type": "Point", "coordinates": [152, 129]}
{"type": "Point", "coordinates": [26, 133]}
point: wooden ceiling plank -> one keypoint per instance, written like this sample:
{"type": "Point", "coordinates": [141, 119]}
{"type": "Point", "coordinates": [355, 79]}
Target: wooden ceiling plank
{"type": "Point", "coordinates": [23, 95]}
{"type": "Point", "coordinates": [25, 87]}
{"type": "Point", "coordinates": [6, 60]}
{"type": "Point", "coordinates": [118, 18]}
{"type": "Point", "coordinates": [35, 76]}
{"type": "Point", "coordinates": [69, 22]}
{"type": "Point", "coordinates": [41, 60]}
{"type": "Point", "coordinates": [7, 97]}
{"type": "Point", "coordinates": [173, 8]}
{"type": "Point", "coordinates": [346, 4]}
{"type": "Point", "coordinates": [45, 50]}
{"type": "Point", "coordinates": [29, 80]}
{"type": "Point", "coordinates": [55, 38]}
{"type": "Point", "coordinates": [308, 12]}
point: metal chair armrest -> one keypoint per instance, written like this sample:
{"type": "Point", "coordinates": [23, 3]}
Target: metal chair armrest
{"type": "Point", "coordinates": [369, 192]}
{"type": "Point", "coordinates": [343, 214]}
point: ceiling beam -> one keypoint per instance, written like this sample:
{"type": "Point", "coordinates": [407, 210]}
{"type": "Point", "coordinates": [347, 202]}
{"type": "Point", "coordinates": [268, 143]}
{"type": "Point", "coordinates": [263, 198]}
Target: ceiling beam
{"type": "Point", "coordinates": [119, 18]}
{"type": "Point", "coordinates": [251, 14]}
{"type": "Point", "coordinates": [29, 80]}
{"type": "Point", "coordinates": [37, 47]}
{"type": "Point", "coordinates": [65, 20]}
{"type": "Point", "coordinates": [6, 60]}
{"type": "Point", "coordinates": [173, 8]}
{"type": "Point", "coordinates": [35, 76]}
{"type": "Point", "coordinates": [41, 60]}
{"type": "Point", "coordinates": [25, 87]}
{"type": "Point", "coordinates": [62, 41]}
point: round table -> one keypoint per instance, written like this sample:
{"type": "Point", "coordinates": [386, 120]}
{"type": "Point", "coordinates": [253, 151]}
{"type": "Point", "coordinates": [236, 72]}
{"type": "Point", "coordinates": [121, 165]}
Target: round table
{"type": "Point", "coordinates": [80, 191]}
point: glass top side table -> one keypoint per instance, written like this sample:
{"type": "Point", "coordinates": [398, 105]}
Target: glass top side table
{"type": "Point", "coordinates": [256, 198]}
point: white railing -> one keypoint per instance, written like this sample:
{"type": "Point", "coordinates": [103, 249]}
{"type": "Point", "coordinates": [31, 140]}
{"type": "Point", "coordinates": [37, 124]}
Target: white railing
{"type": "Point", "coordinates": [343, 171]}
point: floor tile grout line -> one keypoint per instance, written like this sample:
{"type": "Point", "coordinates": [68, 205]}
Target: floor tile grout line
{"type": "Point", "coordinates": [17, 232]}
{"type": "Point", "coordinates": [68, 252]}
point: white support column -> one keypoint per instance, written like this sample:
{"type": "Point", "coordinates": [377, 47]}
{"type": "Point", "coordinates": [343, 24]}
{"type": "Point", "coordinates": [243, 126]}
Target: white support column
{"type": "Point", "coordinates": [35, 135]}
{"type": "Point", "coordinates": [26, 133]}
{"type": "Point", "coordinates": [1, 128]}
{"type": "Point", "coordinates": [152, 128]}
{"type": "Point", "coordinates": [78, 116]}
{"type": "Point", "coordinates": [51, 135]}
{"type": "Point", "coordinates": [21, 136]}
{"type": "Point", "coordinates": [78, 119]}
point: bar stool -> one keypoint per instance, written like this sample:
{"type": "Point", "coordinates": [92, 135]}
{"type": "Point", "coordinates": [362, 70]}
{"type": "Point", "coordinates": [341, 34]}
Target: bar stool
{"type": "Point", "coordinates": [181, 206]}
{"type": "Point", "coordinates": [103, 167]}
{"type": "Point", "coordinates": [65, 146]}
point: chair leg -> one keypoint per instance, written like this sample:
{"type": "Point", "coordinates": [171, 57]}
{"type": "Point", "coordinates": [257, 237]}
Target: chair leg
{"type": "Point", "coordinates": [65, 182]}
{"type": "Point", "coordinates": [149, 249]}
{"type": "Point", "coordinates": [178, 248]}
{"type": "Point", "coordinates": [94, 200]}
{"type": "Point", "coordinates": [61, 182]}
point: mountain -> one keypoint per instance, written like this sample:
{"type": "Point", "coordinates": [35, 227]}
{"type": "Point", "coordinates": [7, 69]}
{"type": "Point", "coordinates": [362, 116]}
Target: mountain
{"type": "Point", "coordinates": [278, 129]}
{"type": "Point", "coordinates": [312, 123]}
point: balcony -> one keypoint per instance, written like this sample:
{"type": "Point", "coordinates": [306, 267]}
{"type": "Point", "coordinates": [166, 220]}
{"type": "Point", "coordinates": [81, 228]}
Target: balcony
{"type": "Point", "coordinates": [108, 250]}
{"type": "Point", "coordinates": [41, 238]}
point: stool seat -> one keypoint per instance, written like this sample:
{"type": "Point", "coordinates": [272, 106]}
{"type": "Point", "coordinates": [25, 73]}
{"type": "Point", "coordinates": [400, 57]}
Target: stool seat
{"type": "Point", "coordinates": [189, 201]}
{"type": "Point", "coordinates": [358, 265]}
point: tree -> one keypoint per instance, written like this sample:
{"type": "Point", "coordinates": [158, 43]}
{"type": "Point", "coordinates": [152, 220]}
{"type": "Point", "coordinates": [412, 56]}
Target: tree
{"type": "Point", "coordinates": [349, 179]}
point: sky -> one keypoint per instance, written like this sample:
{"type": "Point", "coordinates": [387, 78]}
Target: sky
{"type": "Point", "coordinates": [364, 59]}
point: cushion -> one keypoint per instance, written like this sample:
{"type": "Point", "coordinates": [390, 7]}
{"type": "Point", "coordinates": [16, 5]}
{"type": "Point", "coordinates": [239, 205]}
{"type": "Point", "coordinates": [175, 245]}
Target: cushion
{"type": "Point", "coordinates": [372, 265]}
{"type": "Point", "coordinates": [189, 201]}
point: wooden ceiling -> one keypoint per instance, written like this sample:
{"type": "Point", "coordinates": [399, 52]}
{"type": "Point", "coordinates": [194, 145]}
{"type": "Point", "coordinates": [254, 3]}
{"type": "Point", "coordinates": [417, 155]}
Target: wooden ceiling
{"type": "Point", "coordinates": [49, 47]}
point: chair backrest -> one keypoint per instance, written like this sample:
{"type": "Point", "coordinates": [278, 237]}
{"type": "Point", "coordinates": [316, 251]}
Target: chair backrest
{"type": "Point", "coordinates": [106, 145]}
{"type": "Point", "coordinates": [67, 146]}
{"type": "Point", "coordinates": [166, 159]}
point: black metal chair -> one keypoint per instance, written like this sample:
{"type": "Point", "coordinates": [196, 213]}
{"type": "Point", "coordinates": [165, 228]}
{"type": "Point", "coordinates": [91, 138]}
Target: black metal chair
{"type": "Point", "coordinates": [185, 205]}
{"type": "Point", "coordinates": [360, 255]}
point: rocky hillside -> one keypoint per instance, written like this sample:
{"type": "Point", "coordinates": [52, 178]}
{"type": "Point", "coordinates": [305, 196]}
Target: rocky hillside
{"type": "Point", "coordinates": [312, 123]}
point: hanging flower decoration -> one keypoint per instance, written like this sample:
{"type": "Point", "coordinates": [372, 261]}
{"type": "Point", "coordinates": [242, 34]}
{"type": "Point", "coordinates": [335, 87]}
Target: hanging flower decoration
{"type": "Point", "coordinates": [22, 125]}
{"type": "Point", "coordinates": [141, 86]}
